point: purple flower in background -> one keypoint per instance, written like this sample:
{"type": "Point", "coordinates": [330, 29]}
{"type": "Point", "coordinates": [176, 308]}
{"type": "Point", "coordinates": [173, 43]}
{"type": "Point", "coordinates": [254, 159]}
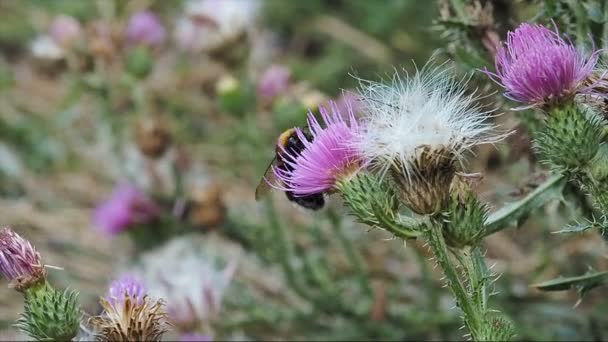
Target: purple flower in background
{"type": "Point", "coordinates": [145, 28]}
{"type": "Point", "coordinates": [126, 286]}
{"type": "Point", "coordinates": [326, 159]}
{"type": "Point", "coordinates": [127, 206]}
{"type": "Point", "coordinates": [65, 30]}
{"type": "Point", "coordinates": [536, 66]}
{"type": "Point", "coordinates": [194, 337]}
{"type": "Point", "coordinates": [348, 101]}
{"type": "Point", "coordinates": [19, 261]}
{"type": "Point", "coordinates": [273, 81]}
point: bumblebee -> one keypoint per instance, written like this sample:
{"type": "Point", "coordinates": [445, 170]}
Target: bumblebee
{"type": "Point", "coordinates": [288, 142]}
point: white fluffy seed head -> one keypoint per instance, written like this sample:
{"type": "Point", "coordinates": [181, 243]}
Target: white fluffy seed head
{"type": "Point", "coordinates": [429, 108]}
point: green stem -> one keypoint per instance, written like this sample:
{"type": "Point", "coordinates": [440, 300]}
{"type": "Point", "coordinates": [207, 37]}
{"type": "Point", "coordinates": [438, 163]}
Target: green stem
{"type": "Point", "coordinates": [353, 257]}
{"type": "Point", "coordinates": [437, 243]}
{"type": "Point", "coordinates": [285, 251]}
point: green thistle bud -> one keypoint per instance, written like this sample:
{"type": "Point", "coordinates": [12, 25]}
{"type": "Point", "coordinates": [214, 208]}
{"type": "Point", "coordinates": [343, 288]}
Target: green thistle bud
{"type": "Point", "coordinates": [50, 314]}
{"type": "Point", "coordinates": [140, 62]}
{"type": "Point", "coordinates": [465, 216]}
{"type": "Point", "coordinates": [499, 329]}
{"type": "Point", "coordinates": [571, 138]}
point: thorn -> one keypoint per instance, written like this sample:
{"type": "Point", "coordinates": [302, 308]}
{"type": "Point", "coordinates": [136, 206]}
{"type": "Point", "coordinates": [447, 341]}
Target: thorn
{"type": "Point", "coordinates": [55, 267]}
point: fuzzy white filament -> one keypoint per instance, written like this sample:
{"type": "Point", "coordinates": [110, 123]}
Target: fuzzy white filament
{"type": "Point", "coordinates": [429, 108]}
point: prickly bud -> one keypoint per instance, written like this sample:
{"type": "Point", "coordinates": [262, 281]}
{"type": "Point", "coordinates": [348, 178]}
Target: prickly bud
{"type": "Point", "coordinates": [464, 217]}
{"type": "Point", "coordinates": [365, 191]}
{"type": "Point", "coordinates": [571, 137]}
{"type": "Point", "coordinates": [50, 314]}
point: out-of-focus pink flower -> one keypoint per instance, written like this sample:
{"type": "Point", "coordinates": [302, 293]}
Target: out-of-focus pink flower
{"type": "Point", "coordinates": [273, 82]}
{"type": "Point", "coordinates": [126, 286]}
{"type": "Point", "coordinates": [127, 206]}
{"type": "Point", "coordinates": [65, 30]}
{"type": "Point", "coordinates": [145, 28]}
{"type": "Point", "coordinates": [536, 66]}
{"type": "Point", "coordinates": [326, 159]}
{"type": "Point", "coordinates": [19, 261]}
{"type": "Point", "coordinates": [348, 101]}
{"type": "Point", "coordinates": [194, 337]}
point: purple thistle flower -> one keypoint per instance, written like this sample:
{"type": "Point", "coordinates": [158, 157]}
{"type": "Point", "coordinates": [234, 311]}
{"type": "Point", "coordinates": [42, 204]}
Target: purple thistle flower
{"type": "Point", "coordinates": [65, 30]}
{"type": "Point", "coordinates": [126, 286]}
{"type": "Point", "coordinates": [144, 27]}
{"type": "Point", "coordinates": [273, 82]}
{"type": "Point", "coordinates": [536, 66]}
{"type": "Point", "coordinates": [195, 337]}
{"type": "Point", "coordinates": [19, 261]}
{"type": "Point", "coordinates": [325, 160]}
{"type": "Point", "coordinates": [127, 206]}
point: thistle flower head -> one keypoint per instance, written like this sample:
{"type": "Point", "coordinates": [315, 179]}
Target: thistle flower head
{"type": "Point", "coordinates": [327, 159]}
{"type": "Point", "coordinates": [127, 286]}
{"type": "Point", "coordinates": [19, 261]}
{"type": "Point", "coordinates": [417, 128]}
{"type": "Point", "coordinates": [129, 314]}
{"type": "Point", "coordinates": [65, 30]}
{"type": "Point", "coordinates": [127, 206]}
{"type": "Point", "coordinates": [273, 81]}
{"type": "Point", "coordinates": [536, 66]}
{"type": "Point", "coordinates": [144, 27]}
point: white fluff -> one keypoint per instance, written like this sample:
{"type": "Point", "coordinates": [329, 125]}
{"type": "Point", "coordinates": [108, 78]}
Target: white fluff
{"type": "Point", "coordinates": [428, 108]}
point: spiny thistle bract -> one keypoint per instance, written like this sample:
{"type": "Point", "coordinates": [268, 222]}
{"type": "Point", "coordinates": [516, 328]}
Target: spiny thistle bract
{"type": "Point", "coordinates": [417, 128]}
{"type": "Point", "coordinates": [365, 194]}
{"type": "Point", "coordinates": [50, 314]}
{"type": "Point", "coordinates": [537, 67]}
{"type": "Point", "coordinates": [570, 138]}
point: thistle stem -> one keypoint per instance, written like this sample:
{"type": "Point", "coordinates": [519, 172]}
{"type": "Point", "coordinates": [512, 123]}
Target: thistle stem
{"type": "Point", "coordinates": [473, 318]}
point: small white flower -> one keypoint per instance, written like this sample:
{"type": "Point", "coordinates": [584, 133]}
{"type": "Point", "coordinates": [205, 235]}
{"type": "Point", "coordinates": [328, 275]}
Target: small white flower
{"type": "Point", "coordinates": [191, 282]}
{"type": "Point", "coordinates": [430, 109]}
{"type": "Point", "coordinates": [44, 47]}
{"type": "Point", "coordinates": [208, 24]}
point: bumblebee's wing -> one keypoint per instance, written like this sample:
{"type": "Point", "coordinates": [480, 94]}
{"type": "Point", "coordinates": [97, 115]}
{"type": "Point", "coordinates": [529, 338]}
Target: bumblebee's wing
{"type": "Point", "coordinates": [263, 188]}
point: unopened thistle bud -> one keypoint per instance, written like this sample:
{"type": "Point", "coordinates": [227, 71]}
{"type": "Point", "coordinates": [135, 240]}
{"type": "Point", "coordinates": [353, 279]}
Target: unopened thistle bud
{"type": "Point", "coordinates": [19, 261]}
{"type": "Point", "coordinates": [129, 314]}
{"type": "Point", "coordinates": [571, 137]}
{"type": "Point", "coordinates": [416, 129]}
{"type": "Point", "coordinates": [50, 314]}
{"type": "Point", "coordinates": [465, 216]}
{"type": "Point", "coordinates": [153, 137]}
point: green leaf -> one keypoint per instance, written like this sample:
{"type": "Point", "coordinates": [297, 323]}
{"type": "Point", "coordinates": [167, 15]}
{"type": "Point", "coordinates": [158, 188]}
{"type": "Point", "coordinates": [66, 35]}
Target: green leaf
{"type": "Point", "coordinates": [582, 283]}
{"type": "Point", "coordinates": [512, 213]}
{"type": "Point", "coordinates": [594, 11]}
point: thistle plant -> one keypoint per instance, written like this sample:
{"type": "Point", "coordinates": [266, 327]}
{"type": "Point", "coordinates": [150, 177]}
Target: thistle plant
{"type": "Point", "coordinates": [49, 313]}
{"type": "Point", "coordinates": [540, 69]}
{"type": "Point", "coordinates": [405, 153]}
